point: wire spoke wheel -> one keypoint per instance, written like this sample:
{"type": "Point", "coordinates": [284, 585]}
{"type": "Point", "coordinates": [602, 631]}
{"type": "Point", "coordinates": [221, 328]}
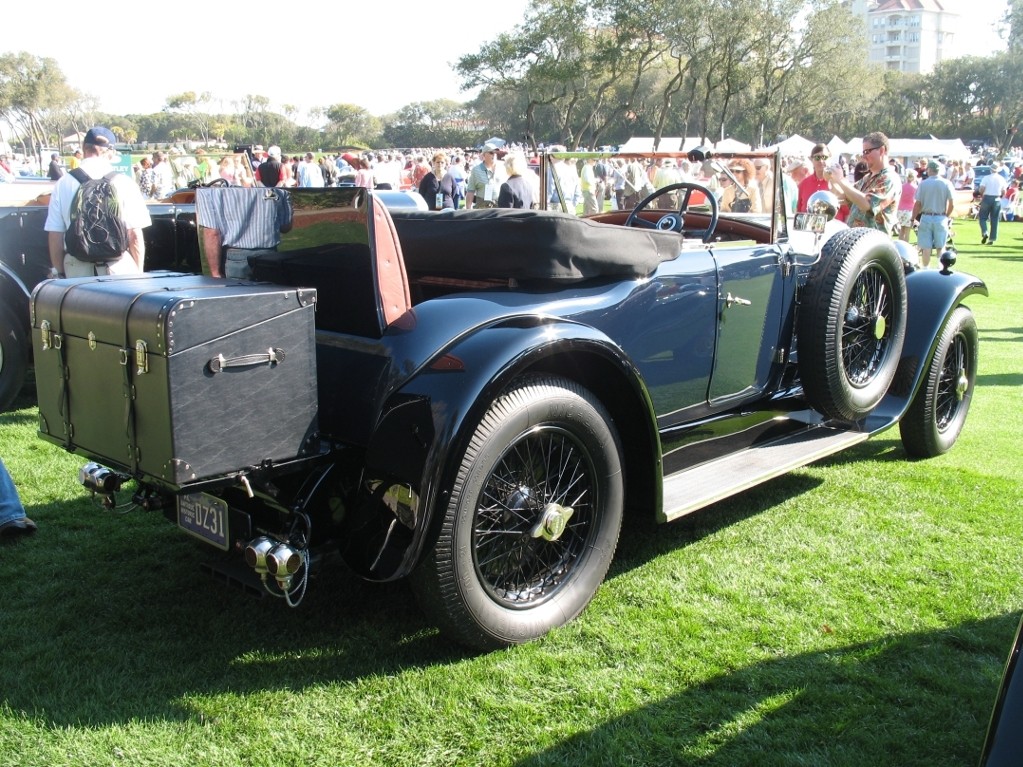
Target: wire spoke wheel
{"type": "Point", "coordinates": [937, 414]}
{"type": "Point", "coordinates": [533, 517]}
{"type": "Point", "coordinates": [951, 383]}
{"type": "Point", "coordinates": [546, 471]}
{"type": "Point", "coordinates": [866, 333]}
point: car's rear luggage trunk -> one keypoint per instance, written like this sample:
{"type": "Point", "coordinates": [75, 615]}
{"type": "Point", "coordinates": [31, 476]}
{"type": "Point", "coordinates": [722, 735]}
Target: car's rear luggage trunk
{"type": "Point", "coordinates": [176, 378]}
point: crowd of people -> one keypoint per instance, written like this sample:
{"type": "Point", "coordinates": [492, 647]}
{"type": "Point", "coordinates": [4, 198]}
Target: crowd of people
{"type": "Point", "coordinates": [505, 176]}
{"type": "Point", "coordinates": [874, 189]}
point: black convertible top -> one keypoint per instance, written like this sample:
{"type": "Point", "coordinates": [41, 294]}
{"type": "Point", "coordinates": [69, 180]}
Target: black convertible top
{"type": "Point", "coordinates": [528, 245]}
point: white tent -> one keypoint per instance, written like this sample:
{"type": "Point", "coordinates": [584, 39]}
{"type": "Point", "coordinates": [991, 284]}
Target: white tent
{"type": "Point", "coordinates": [836, 146]}
{"type": "Point", "coordinates": [917, 148]}
{"type": "Point", "coordinates": [645, 144]}
{"type": "Point", "coordinates": [731, 145]}
{"type": "Point", "coordinates": [669, 144]}
{"type": "Point", "coordinates": [906, 148]}
{"type": "Point", "coordinates": [794, 146]}
{"type": "Point", "coordinates": [637, 145]}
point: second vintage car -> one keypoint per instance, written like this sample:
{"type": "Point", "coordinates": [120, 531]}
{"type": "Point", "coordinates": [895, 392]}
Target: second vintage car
{"type": "Point", "coordinates": [475, 399]}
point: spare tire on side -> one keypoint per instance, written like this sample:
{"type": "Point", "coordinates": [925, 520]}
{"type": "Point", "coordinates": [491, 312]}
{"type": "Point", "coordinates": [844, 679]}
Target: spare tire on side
{"type": "Point", "coordinates": [852, 324]}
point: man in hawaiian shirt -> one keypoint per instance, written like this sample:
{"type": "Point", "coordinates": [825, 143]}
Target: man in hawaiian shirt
{"type": "Point", "coordinates": [874, 199]}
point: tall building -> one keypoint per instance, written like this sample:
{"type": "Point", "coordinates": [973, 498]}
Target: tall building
{"type": "Point", "coordinates": [909, 35]}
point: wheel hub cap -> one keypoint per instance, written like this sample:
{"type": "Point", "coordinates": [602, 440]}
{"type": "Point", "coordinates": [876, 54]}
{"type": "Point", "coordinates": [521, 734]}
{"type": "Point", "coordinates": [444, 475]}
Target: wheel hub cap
{"type": "Point", "coordinates": [962, 384]}
{"type": "Point", "coordinates": [880, 325]}
{"type": "Point", "coordinates": [552, 522]}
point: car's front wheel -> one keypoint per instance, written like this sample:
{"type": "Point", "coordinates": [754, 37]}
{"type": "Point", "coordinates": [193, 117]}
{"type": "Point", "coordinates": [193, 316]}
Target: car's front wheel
{"type": "Point", "coordinates": [938, 411]}
{"type": "Point", "coordinates": [533, 518]}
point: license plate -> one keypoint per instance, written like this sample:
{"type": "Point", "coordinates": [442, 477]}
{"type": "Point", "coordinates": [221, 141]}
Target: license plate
{"type": "Point", "coordinates": [204, 516]}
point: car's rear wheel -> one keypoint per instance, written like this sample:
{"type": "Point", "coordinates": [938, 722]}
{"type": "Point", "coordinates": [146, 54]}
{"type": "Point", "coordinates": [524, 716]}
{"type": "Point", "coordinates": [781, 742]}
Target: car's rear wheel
{"type": "Point", "coordinates": [852, 324]}
{"type": "Point", "coordinates": [13, 357]}
{"type": "Point", "coordinates": [532, 521]}
{"type": "Point", "coordinates": [938, 411]}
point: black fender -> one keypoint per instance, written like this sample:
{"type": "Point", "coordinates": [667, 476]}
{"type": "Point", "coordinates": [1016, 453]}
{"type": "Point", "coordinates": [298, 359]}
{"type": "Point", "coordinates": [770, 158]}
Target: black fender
{"type": "Point", "coordinates": [16, 331]}
{"type": "Point", "coordinates": [14, 292]}
{"type": "Point", "coordinates": [425, 426]}
{"type": "Point", "coordinates": [932, 296]}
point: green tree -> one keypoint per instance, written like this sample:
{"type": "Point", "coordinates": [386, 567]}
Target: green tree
{"type": "Point", "coordinates": [347, 124]}
{"type": "Point", "coordinates": [195, 107]}
{"type": "Point", "coordinates": [33, 98]}
{"type": "Point", "coordinates": [980, 97]}
{"type": "Point", "coordinates": [809, 63]}
{"type": "Point", "coordinates": [590, 71]}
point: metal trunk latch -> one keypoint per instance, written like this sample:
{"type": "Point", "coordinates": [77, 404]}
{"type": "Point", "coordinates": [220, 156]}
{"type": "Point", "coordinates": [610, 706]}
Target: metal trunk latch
{"type": "Point", "coordinates": [50, 340]}
{"type": "Point", "coordinates": [141, 357]}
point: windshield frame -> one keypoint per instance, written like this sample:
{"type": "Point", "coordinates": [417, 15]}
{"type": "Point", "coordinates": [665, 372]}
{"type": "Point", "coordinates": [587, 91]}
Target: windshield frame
{"type": "Point", "coordinates": [776, 220]}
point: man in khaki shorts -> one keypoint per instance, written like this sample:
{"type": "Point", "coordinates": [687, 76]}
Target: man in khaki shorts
{"type": "Point", "coordinates": [97, 151]}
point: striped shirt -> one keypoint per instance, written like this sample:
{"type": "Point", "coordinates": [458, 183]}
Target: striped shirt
{"type": "Point", "coordinates": [246, 217]}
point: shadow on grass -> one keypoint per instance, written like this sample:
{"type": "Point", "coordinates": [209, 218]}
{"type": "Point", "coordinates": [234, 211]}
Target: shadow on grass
{"type": "Point", "coordinates": [845, 705]}
{"type": "Point", "coordinates": [27, 396]}
{"type": "Point", "coordinates": [1000, 379]}
{"type": "Point", "coordinates": [19, 417]}
{"type": "Point", "coordinates": [1000, 335]}
{"type": "Point", "coordinates": [643, 539]}
{"type": "Point", "coordinates": [108, 618]}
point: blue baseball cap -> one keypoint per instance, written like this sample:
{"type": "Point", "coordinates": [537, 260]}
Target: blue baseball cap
{"type": "Point", "coordinates": [99, 136]}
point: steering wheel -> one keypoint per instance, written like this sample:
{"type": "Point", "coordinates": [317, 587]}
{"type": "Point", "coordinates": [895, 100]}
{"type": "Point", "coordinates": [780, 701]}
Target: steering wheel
{"type": "Point", "coordinates": [674, 222]}
{"type": "Point", "coordinates": [212, 182]}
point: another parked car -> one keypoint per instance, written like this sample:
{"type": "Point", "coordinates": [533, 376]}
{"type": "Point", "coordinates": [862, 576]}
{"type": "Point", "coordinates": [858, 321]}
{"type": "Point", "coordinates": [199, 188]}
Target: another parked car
{"type": "Point", "coordinates": [1004, 742]}
{"type": "Point", "coordinates": [171, 243]}
{"type": "Point", "coordinates": [475, 399]}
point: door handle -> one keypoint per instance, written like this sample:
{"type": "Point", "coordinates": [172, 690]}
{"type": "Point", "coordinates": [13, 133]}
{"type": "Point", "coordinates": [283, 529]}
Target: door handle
{"type": "Point", "coordinates": [731, 300]}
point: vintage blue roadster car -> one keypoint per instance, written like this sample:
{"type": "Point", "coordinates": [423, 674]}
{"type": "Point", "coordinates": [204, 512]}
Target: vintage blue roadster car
{"type": "Point", "coordinates": [474, 399]}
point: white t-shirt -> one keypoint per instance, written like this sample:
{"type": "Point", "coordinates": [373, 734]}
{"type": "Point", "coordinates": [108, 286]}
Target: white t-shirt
{"type": "Point", "coordinates": [133, 207]}
{"type": "Point", "coordinates": [993, 184]}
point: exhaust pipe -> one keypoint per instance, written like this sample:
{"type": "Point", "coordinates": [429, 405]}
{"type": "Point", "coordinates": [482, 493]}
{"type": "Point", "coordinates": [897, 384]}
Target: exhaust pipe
{"type": "Point", "coordinates": [271, 557]}
{"type": "Point", "coordinates": [101, 481]}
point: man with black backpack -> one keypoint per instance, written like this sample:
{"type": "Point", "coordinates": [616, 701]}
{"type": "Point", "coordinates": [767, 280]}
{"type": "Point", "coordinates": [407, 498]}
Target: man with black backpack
{"type": "Point", "coordinates": [96, 216]}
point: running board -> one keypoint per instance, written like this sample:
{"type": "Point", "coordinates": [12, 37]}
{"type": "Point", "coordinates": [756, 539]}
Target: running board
{"type": "Point", "coordinates": [692, 489]}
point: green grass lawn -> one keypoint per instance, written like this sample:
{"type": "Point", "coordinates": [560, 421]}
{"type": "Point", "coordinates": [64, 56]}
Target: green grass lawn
{"type": "Point", "coordinates": [856, 612]}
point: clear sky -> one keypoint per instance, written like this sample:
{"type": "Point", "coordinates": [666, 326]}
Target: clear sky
{"type": "Point", "coordinates": [975, 33]}
{"type": "Point", "coordinates": [380, 56]}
